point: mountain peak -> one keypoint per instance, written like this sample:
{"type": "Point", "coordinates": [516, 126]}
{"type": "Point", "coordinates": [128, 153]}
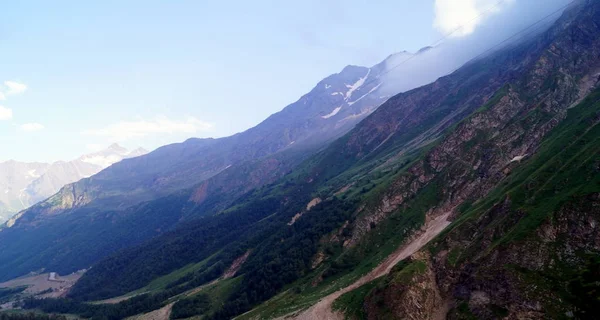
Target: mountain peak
{"type": "Point", "coordinates": [116, 147]}
{"type": "Point", "coordinates": [351, 69]}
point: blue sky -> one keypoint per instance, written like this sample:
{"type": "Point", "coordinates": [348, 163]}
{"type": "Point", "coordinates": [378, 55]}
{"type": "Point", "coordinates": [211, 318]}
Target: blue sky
{"type": "Point", "coordinates": [147, 73]}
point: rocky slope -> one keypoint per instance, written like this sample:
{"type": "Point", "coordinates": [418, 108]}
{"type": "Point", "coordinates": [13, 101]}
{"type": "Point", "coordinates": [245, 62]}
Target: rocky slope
{"type": "Point", "coordinates": [521, 252]}
{"type": "Point", "coordinates": [521, 177]}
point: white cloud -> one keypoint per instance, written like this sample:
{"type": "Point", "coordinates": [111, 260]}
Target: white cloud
{"type": "Point", "coordinates": [126, 130]}
{"type": "Point", "coordinates": [32, 126]}
{"type": "Point", "coordinates": [2, 96]}
{"type": "Point", "coordinates": [14, 88]}
{"type": "Point", "coordinates": [464, 14]}
{"type": "Point", "coordinates": [5, 113]}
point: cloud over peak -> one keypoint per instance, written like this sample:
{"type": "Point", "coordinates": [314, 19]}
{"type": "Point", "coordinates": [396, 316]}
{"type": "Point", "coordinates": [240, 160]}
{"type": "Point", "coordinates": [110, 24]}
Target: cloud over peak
{"type": "Point", "coordinates": [462, 16]}
{"type": "Point", "coordinates": [126, 130]}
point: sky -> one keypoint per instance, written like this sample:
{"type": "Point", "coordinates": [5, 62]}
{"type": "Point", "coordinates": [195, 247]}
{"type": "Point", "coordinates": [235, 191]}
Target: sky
{"type": "Point", "coordinates": [76, 76]}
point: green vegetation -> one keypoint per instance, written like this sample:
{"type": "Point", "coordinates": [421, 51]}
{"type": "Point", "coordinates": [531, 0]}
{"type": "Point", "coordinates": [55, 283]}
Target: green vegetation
{"type": "Point", "coordinates": [284, 256]}
{"type": "Point", "coordinates": [406, 274]}
{"type": "Point", "coordinates": [163, 282]}
{"type": "Point", "coordinates": [565, 167]}
{"type": "Point", "coordinates": [6, 294]}
{"type": "Point", "coordinates": [453, 256]}
{"type": "Point", "coordinates": [462, 312]}
{"type": "Point", "coordinates": [351, 303]}
{"type": "Point", "coordinates": [135, 305]}
{"type": "Point", "coordinates": [188, 307]}
{"type": "Point", "coordinates": [350, 265]}
{"type": "Point", "coordinates": [30, 316]}
{"type": "Point", "coordinates": [195, 241]}
{"type": "Point", "coordinates": [561, 176]}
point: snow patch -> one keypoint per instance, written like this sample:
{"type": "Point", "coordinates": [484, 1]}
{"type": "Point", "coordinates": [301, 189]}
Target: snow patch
{"type": "Point", "coordinates": [327, 86]}
{"type": "Point", "coordinates": [356, 85]}
{"type": "Point", "coordinates": [336, 93]}
{"type": "Point", "coordinates": [518, 158]}
{"type": "Point", "coordinates": [333, 113]}
{"type": "Point", "coordinates": [31, 173]}
{"type": "Point", "coordinates": [366, 94]}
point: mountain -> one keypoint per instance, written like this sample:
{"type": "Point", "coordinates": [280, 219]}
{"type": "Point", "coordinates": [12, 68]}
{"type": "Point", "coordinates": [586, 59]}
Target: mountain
{"type": "Point", "coordinates": [25, 184]}
{"type": "Point", "coordinates": [334, 106]}
{"type": "Point", "coordinates": [179, 182]}
{"type": "Point", "coordinates": [475, 196]}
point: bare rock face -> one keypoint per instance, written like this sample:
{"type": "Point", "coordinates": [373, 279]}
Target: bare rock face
{"type": "Point", "coordinates": [516, 280]}
{"type": "Point", "coordinates": [410, 293]}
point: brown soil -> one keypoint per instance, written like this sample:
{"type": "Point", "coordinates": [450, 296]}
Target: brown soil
{"type": "Point", "coordinates": [236, 265]}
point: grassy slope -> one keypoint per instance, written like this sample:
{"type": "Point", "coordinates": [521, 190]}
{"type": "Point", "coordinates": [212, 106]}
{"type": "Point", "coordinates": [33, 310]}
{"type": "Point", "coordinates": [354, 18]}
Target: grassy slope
{"type": "Point", "coordinates": [565, 168]}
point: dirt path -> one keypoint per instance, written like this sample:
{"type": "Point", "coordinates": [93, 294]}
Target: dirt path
{"type": "Point", "coordinates": [118, 299]}
{"type": "Point", "coordinates": [323, 309]}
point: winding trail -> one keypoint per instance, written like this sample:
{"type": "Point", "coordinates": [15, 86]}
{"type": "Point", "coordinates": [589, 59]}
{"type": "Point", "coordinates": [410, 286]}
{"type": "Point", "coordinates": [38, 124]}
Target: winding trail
{"type": "Point", "coordinates": [323, 309]}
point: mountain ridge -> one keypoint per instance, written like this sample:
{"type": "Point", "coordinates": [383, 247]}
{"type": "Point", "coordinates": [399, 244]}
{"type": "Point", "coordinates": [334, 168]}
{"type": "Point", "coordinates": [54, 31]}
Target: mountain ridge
{"type": "Point", "coordinates": [179, 171]}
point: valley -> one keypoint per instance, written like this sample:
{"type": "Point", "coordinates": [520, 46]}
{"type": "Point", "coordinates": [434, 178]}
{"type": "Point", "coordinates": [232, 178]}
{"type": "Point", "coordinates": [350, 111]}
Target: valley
{"type": "Point", "coordinates": [474, 195]}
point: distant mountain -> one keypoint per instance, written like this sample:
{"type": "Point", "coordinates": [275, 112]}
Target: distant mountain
{"type": "Point", "coordinates": [24, 184]}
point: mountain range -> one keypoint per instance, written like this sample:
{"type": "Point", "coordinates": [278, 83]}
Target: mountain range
{"type": "Point", "coordinates": [25, 184]}
{"type": "Point", "coordinates": [203, 175]}
{"type": "Point", "coordinates": [475, 196]}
